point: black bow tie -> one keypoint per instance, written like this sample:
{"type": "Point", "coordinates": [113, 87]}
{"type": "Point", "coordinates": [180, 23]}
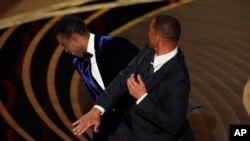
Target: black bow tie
{"type": "Point", "coordinates": [86, 56]}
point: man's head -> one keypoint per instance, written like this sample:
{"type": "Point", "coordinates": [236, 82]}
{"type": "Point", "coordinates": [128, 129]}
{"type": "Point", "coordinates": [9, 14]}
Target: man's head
{"type": "Point", "coordinates": [164, 29]}
{"type": "Point", "coordinates": [72, 34]}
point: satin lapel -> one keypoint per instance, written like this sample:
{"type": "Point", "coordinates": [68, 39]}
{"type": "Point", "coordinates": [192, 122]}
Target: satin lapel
{"type": "Point", "coordinates": [162, 73]}
{"type": "Point", "coordinates": [98, 47]}
{"type": "Point", "coordinates": [144, 61]}
{"type": "Point", "coordinates": [100, 43]}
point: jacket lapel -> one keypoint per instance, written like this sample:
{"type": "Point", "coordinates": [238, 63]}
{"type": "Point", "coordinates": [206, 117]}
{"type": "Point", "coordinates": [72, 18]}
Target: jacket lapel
{"type": "Point", "coordinates": [143, 62]}
{"type": "Point", "coordinates": [97, 47]}
{"type": "Point", "coordinates": [163, 72]}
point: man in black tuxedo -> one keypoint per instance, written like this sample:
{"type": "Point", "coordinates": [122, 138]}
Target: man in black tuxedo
{"type": "Point", "coordinates": [158, 99]}
{"type": "Point", "coordinates": [98, 59]}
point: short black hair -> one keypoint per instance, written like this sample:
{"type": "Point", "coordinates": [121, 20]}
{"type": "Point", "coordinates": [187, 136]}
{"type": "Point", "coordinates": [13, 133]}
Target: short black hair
{"type": "Point", "coordinates": [168, 27]}
{"type": "Point", "coordinates": [70, 24]}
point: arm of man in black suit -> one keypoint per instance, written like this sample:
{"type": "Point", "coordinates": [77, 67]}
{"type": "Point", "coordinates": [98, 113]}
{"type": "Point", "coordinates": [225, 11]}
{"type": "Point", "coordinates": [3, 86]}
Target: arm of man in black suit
{"type": "Point", "coordinates": [115, 90]}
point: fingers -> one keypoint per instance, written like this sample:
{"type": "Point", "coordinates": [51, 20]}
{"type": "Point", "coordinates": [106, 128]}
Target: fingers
{"type": "Point", "coordinates": [76, 122]}
{"type": "Point", "coordinates": [131, 80]}
{"type": "Point", "coordinates": [86, 121]}
{"type": "Point", "coordinates": [82, 127]}
{"type": "Point", "coordinates": [140, 79]}
{"type": "Point", "coordinates": [96, 127]}
{"type": "Point", "coordinates": [77, 130]}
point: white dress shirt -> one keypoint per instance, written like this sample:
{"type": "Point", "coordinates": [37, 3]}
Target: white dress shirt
{"type": "Point", "coordinates": [94, 68]}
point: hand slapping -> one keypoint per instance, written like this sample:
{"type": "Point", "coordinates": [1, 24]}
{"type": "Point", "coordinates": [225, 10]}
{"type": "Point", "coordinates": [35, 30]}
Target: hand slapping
{"type": "Point", "coordinates": [92, 118]}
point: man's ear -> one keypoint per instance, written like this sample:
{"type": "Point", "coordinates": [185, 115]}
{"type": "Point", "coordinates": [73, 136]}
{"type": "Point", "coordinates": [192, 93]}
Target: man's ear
{"type": "Point", "coordinates": [75, 37]}
{"type": "Point", "coordinates": [157, 38]}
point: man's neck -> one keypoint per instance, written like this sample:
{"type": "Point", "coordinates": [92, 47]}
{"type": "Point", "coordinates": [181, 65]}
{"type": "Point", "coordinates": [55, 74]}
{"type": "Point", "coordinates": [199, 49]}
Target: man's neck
{"type": "Point", "coordinates": [164, 50]}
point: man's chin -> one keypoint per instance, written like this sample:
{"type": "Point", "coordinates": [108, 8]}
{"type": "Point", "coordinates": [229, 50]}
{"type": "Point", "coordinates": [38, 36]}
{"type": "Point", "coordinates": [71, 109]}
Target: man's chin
{"type": "Point", "coordinates": [79, 56]}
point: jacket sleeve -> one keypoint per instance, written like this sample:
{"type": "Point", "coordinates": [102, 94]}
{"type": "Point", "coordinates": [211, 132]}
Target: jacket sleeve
{"type": "Point", "coordinates": [118, 86]}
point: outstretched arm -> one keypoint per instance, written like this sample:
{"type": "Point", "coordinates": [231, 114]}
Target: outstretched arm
{"type": "Point", "coordinates": [116, 89]}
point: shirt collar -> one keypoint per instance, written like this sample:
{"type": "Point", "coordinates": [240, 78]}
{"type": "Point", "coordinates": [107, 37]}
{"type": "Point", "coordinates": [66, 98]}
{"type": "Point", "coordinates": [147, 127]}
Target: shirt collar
{"type": "Point", "coordinates": [91, 44]}
{"type": "Point", "coordinates": [161, 59]}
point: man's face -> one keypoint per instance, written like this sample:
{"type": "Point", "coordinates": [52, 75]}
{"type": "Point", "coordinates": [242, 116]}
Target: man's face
{"type": "Point", "coordinates": [152, 35]}
{"type": "Point", "coordinates": [71, 45]}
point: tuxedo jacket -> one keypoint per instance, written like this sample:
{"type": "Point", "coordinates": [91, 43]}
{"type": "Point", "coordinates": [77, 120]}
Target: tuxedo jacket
{"type": "Point", "coordinates": [112, 55]}
{"type": "Point", "coordinates": [161, 115]}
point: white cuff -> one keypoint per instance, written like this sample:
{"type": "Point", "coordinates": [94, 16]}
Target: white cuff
{"type": "Point", "coordinates": [100, 108]}
{"type": "Point", "coordinates": [141, 98]}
